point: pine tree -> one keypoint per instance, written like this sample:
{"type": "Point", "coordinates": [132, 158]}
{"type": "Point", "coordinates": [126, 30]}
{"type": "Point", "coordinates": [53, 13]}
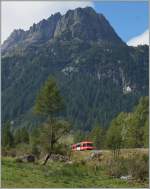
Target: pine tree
{"type": "Point", "coordinates": [49, 100]}
{"type": "Point", "coordinates": [7, 136]}
{"type": "Point", "coordinates": [97, 136]}
{"type": "Point", "coordinates": [24, 135]}
{"type": "Point", "coordinates": [79, 136]}
{"type": "Point", "coordinates": [21, 136]}
{"type": "Point", "coordinates": [48, 103]}
{"type": "Point", "coordinates": [17, 136]}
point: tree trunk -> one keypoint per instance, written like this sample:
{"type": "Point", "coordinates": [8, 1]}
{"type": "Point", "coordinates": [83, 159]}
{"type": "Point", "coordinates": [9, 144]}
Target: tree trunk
{"type": "Point", "coordinates": [51, 145]}
{"type": "Point", "coordinates": [47, 157]}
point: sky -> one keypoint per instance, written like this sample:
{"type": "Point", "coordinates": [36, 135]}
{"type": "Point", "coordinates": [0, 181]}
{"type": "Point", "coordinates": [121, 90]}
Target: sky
{"type": "Point", "coordinates": [129, 19]}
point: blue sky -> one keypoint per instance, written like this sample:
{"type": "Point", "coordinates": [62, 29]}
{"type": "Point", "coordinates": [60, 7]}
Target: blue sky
{"type": "Point", "coordinates": [129, 19]}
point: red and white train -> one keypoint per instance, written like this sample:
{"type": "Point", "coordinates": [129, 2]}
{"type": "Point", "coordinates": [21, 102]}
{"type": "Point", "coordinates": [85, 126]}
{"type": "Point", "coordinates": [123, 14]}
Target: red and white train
{"type": "Point", "coordinates": [85, 145]}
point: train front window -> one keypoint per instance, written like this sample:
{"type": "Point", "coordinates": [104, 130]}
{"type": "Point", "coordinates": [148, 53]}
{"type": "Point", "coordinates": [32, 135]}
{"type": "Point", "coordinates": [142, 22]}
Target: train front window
{"type": "Point", "coordinates": [89, 144]}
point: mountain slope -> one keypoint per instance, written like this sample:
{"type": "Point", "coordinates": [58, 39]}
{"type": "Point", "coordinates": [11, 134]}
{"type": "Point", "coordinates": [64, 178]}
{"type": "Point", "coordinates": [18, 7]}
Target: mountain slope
{"type": "Point", "coordinates": [98, 74]}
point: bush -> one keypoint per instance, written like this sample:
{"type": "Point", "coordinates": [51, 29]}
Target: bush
{"type": "Point", "coordinates": [12, 152]}
{"type": "Point", "coordinates": [4, 152]}
{"type": "Point", "coordinates": [139, 167]}
{"type": "Point", "coordinates": [8, 152]}
{"type": "Point", "coordinates": [117, 168]}
{"type": "Point", "coordinates": [61, 149]}
{"type": "Point", "coordinates": [136, 166]}
{"type": "Point", "coordinates": [35, 151]}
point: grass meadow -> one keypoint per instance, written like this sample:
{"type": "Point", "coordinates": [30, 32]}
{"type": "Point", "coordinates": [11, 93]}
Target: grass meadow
{"type": "Point", "coordinates": [62, 175]}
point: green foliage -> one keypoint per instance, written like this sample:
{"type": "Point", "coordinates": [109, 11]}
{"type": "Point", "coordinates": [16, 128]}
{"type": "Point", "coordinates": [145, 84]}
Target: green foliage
{"type": "Point", "coordinates": [114, 138]}
{"type": "Point", "coordinates": [59, 175]}
{"type": "Point", "coordinates": [130, 130]}
{"type": "Point", "coordinates": [48, 100]}
{"type": "Point", "coordinates": [79, 136]}
{"type": "Point", "coordinates": [21, 136]}
{"type": "Point", "coordinates": [137, 134]}
{"type": "Point", "coordinates": [51, 132]}
{"type": "Point", "coordinates": [97, 136]}
{"type": "Point", "coordinates": [35, 136]}
{"type": "Point", "coordinates": [146, 134]}
{"type": "Point", "coordinates": [136, 167]}
{"type": "Point", "coordinates": [117, 167]}
{"type": "Point", "coordinates": [35, 150]}
{"type": "Point", "coordinates": [87, 97]}
{"type": "Point", "coordinates": [7, 136]}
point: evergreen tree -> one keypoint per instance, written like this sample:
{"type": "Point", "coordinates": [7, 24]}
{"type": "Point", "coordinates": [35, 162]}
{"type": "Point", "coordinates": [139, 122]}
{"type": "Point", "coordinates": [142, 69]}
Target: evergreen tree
{"type": "Point", "coordinates": [7, 136]}
{"type": "Point", "coordinates": [79, 136]}
{"type": "Point", "coordinates": [21, 136]}
{"type": "Point", "coordinates": [17, 136]}
{"type": "Point", "coordinates": [24, 135]}
{"type": "Point", "coordinates": [49, 100]}
{"type": "Point", "coordinates": [97, 136]}
{"type": "Point", "coordinates": [35, 142]}
{"type": "Point", "coordinates": [48, 103]}
{"type": "Point", "coordinates": [50, 134]}
{"type": "Point", "coordinates": [35, 136]}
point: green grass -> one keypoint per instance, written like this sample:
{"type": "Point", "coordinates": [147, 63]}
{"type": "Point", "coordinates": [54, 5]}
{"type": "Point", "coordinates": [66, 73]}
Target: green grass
{"type": "Point", "coordinates": [56, 175]}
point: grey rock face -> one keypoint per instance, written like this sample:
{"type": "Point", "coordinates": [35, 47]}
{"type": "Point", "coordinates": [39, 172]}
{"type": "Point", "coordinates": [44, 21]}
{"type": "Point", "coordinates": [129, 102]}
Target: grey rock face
{"type": "Point", "coordinates": [38, 33]}
{"type": "Point", "coordinates": [85, 24]}
{"type": "Point", "coordinates": [81, 23]}
{"type": "Point", "coordinates": [44, 30]}
{"type": "Point", "coordinates": [15, 37]}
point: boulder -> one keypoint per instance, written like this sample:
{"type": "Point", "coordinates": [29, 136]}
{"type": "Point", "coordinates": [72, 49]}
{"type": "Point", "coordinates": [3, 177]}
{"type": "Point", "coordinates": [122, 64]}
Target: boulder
{"type": "Point", "coordinates": [27, 158]}
{"type": "Point", "coordinates": [96, 155]}
{"type": "Point", "coordinates": [30, 158]}
{"type": "Point", "coordinates": [59, 157]}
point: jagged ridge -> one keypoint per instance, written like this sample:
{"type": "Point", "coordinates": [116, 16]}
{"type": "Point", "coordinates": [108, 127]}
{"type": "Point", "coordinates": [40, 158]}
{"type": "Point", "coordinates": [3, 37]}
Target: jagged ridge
{"type": "Point", "coordinates": [81, 23]}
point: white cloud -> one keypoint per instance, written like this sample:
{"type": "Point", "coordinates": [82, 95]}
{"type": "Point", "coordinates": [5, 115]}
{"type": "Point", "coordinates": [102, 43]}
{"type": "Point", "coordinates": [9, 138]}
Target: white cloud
{"type": "Point", "coordinates": [22, 14]}
{"type": "Point", "coordinates": [140, 39]}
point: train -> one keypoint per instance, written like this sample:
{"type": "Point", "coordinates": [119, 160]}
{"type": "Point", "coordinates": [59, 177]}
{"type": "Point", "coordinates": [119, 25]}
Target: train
{"type": "Point", "coordinates": [84, 145]}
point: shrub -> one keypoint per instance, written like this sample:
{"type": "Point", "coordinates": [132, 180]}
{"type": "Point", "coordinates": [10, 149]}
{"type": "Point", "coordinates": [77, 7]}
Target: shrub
{"type": "Point", "coordinates": [12, 152]}
{"type": "Point", "coordinates": [117, 168]}
{"type": "Point", "coordinates": [19, 160]}
{"type": "Point", "coordinates": [35, 151]}
{"type": "Point", "coordinates": [4, 152]}
{"type": "Point", "coordinates": [136, 166]}
{"type": "Point", "coordinates": [83, 162]}
{"type": "Point", "coordinates": [139, 168]}
{"type": "Point", "coordinates": [61, 149]}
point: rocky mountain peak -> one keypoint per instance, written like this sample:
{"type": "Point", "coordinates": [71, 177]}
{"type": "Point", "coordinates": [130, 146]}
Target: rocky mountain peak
{"type": "Point", "coordinates": [37, 33]}
{"type": "Point", "coordinates": [81, 23]}
{"type": "Point", "coordinates": [15, 37]}
{"type": "Point", "coordinates": [86, 24]}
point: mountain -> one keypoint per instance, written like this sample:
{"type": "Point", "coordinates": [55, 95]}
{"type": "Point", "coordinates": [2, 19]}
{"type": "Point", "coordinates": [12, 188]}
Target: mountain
{"type": "Point", "coordinates": [98, 74]}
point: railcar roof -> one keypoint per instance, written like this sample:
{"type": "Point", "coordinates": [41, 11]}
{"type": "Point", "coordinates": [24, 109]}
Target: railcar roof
{"type": "Point", "coordinates": [83, 142]}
